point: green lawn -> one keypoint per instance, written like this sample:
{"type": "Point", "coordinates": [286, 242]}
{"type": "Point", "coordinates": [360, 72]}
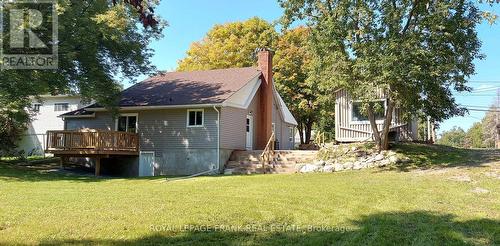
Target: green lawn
{"type": "Point", "coordinates": [446, 196]}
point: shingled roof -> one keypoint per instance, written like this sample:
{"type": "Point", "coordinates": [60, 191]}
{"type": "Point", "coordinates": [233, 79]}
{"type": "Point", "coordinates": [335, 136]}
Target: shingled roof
{"type": "Point", "coordinates": [187, 88]}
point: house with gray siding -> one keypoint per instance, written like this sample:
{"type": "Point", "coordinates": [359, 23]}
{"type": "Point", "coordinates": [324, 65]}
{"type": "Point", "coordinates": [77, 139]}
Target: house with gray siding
{"type": "Point", "coordinates": [186, 122]}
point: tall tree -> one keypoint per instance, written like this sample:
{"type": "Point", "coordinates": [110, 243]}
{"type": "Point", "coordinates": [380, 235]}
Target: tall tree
{"type": "Point", "coordinates": [489, 125]}
{"type": "Point", "coordinates": [475, 136]}
{"type": "Point", "coordinates": [292, 76]}
{"type": "Point", "coordinates": [230, 45]}
{"type": "Point", "coordinates": [234, 44]}
{"type": "Point", "coordinates": [416, 51]}
{"type": "Point", "coordinates": [99, 43]}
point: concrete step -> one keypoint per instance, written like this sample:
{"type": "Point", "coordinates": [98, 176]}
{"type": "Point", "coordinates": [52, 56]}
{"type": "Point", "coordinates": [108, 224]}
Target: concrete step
{"type": "Point", "coordinates": [284, 161]}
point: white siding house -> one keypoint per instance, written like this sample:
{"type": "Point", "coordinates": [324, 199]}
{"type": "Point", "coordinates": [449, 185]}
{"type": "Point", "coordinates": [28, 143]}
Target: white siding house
{"type": "Point", "coordinates": [46, 117]}
{"type": "Point", "coordinates": [352, 126]}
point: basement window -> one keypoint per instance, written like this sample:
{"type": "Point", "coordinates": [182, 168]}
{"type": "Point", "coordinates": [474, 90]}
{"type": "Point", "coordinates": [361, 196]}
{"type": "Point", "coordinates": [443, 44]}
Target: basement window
{"type": "Point", "coordinates": [195, 117]}
{"type": "Point", "coordinates": [357, 114]}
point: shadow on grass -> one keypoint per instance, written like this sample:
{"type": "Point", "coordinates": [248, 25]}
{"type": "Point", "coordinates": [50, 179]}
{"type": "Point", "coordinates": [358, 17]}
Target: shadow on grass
{"type": "Point", "coordinates": [397, 228]}
{"type": "Point", "coordinates": [11, 172]}
{"type": "Point", "coordinates": [37, 173]}
{"type": "Point", "coordinates": [424, 156]}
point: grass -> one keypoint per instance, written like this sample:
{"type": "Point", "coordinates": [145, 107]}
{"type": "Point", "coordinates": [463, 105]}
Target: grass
{"type": "Point", "coordinates": [423, 203]}
{"type": "Point", "coordinates": [28, 160]}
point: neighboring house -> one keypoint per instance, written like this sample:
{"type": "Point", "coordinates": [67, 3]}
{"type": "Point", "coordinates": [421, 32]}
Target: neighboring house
{"type": "Point", "coordinates": [46, 111]}
{"type": "Point", "coordinates": [351, 125]}
{"type": "Point", "coordinates": [176, 116]}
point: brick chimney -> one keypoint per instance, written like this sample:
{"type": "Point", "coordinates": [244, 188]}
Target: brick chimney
{"type": "Point", "coordinates": [265, 62]}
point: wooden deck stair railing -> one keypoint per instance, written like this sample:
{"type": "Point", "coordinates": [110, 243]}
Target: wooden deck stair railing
{"type": "Point", "coordinates": [95, 140]}
{"type": "Point", "coordinates": [268, 152]}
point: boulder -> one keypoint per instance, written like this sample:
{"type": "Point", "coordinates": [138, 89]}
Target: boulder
{"type": "Point", "coordinates": [348, 165]}
{"type": "Point", "coordinates": [369, 164]}
{"type": "Point", "coordinates": [379, 157]}
{"type": "Point", "coordinates": [357, 165]}
{"type": "Point", "coordinates": [328, 168]}
{"type": "Point", "coordinates": [384, 163]}
{"type": "Point", "coordinates": [320, 163]}
{"type": "Point", "coordinates": [393, 159]}
{"type": "Point", "coordinates": [309, 168]}
{"type": "Point", "coordinates": [338, 167]}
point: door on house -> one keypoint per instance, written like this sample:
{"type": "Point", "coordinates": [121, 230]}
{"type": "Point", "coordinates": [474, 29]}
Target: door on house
{"type": "Point", "coordinates": [249, 132]}
{"type": "Point", "coordinates": [146, 164]}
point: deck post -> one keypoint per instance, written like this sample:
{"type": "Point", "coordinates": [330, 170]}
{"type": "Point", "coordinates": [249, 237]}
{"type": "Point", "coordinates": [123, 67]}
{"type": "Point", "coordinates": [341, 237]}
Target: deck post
{"type": "Point", "coordinates": [98, 166]}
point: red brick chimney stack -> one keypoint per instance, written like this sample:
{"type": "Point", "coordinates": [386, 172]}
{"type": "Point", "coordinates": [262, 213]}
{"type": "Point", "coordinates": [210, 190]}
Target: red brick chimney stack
{"type": "Point", "coordinates": [265, 62]}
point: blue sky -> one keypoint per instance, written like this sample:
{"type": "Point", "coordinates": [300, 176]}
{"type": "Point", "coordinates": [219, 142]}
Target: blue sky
{"type": "Point", "coordinates": [190, 20]}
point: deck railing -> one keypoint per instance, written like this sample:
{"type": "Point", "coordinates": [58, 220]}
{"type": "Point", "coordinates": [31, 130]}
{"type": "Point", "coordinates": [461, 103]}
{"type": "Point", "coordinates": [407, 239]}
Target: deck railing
{"type": "Point", "coordinates": [268, 153]}
{"type": "Point", "coordinates": [98, 141]}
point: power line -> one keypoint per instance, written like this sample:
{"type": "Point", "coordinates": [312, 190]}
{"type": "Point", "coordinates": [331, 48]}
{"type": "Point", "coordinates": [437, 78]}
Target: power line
{"type": "Point", "coordinates": [484, 81]}
{"type": "Point", "coordinates": [477, 95]}
{"type": "Point", "coordinates": [483, 110]}
{"type": "Point", "coordinates": [493, 88]}
{"type": "Point", "coordinates": [487, 107]}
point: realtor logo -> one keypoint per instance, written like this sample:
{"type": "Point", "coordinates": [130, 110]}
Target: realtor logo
{"type": "Point", "coordinates": [28, 34]}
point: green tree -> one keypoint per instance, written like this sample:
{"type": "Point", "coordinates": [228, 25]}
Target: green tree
{"type": "Point", "coordinates": [416, 52]}
{"type": "Point", "coordinates": [454, 137]}
{"type": "Point", "coordinates": [100, 43]}
{"type": "Point", "coordinates": [230, 45]}
{"type": "Point", "coordinates": [489, 124]}
{"type": "Point", "coordinates": [234, 45]}
{"type": "Point", "coordinates": [292, 77]}
{"type": "Point", "coordinates": [475, 136]}
{"type": "Point", "coordinates": [12, 124]}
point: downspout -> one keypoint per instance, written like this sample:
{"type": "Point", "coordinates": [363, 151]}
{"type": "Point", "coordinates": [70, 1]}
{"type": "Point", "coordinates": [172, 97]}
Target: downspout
{"type": "Point", "coordinates": [218, 139]}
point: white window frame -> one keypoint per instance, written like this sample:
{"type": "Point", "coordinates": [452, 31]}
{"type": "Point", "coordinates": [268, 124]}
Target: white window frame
{"type": "Point", "coordinates": [351, 108]}
{"type": "Point", "coordinates": [291, 132]}
{"type": "Point", "coordinates": [129, 114]}
{"type": "Point", "coordinates": [59, 103]}
{"type": "Point", "coordinates": [39, 107]}
{"type": "Point", "coordinates": [202, 117]}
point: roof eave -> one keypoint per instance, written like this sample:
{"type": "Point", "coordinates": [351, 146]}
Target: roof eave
{"type": "Point", "coordinates": [77, 116]}
{"type": "Point", "coordinates": [131, 108]}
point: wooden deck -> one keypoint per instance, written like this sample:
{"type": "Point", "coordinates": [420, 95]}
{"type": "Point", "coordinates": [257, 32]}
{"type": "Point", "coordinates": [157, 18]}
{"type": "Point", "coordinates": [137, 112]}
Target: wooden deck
{"type": "Point", "coordinates": [92, 143]}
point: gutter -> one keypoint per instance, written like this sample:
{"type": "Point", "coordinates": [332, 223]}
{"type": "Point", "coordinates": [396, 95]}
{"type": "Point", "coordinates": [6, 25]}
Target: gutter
{"type": "Point", "coordinates": [218, 139]}
{"type": "Point", "coordinates": [77, 116]}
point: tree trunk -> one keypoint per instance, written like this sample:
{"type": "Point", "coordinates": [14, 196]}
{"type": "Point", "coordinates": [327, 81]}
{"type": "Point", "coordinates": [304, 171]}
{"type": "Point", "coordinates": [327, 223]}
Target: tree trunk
{"type": "Point", "coordinates": [308, 129]}
{"type": "Point", "coordinates": [301, 133]}
{"type": "Point", "coordinates": [387, 125]}
{"type": "Point", "coordinates": [381, 138]}
{"type": "Point", "coordinates": [373, 124]}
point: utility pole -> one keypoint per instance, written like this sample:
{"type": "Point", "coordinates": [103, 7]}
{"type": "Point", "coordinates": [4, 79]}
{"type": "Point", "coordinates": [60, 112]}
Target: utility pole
{"type": "Point", "coordinates": [497, 120]}
{"type": "Point", "coordinates": [431, 131]}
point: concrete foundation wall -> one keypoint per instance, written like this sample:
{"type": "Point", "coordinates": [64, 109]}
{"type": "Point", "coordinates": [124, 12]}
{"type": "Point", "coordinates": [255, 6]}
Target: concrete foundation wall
{"type": "Point", "coordinates": [188, 161]}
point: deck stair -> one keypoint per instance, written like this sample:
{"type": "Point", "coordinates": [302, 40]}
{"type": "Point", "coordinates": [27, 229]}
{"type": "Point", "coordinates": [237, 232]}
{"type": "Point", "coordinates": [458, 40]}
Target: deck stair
{"type": "Point", "coordinates": [283, 161]}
